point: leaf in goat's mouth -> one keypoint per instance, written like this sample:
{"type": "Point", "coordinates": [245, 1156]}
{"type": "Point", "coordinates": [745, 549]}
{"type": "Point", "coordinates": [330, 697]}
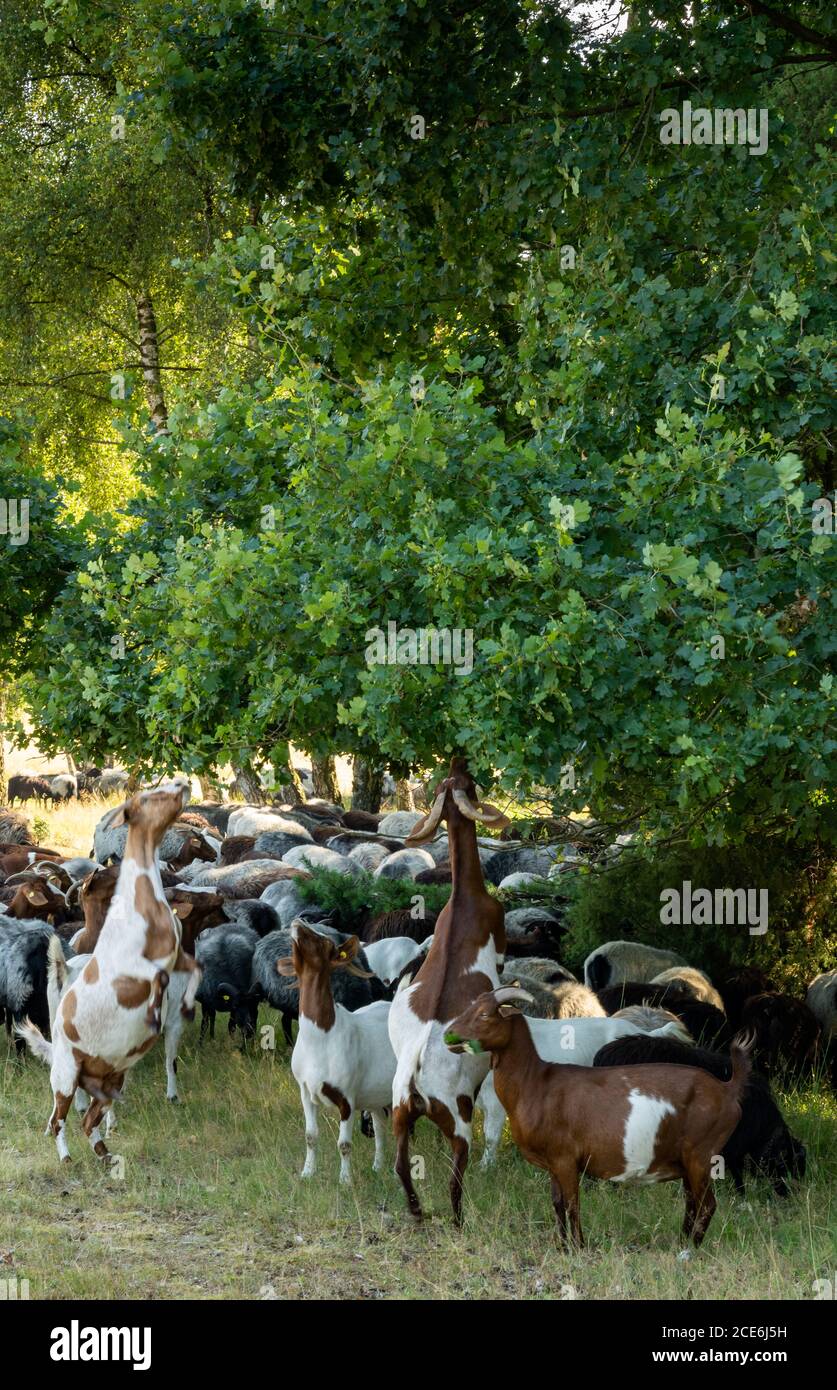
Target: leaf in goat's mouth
{"type": "Point", "coordinates": [454, 1040]}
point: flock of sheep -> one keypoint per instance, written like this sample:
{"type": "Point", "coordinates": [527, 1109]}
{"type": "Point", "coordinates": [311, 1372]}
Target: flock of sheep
{"type": "Point", "coordinates": [232, 876]}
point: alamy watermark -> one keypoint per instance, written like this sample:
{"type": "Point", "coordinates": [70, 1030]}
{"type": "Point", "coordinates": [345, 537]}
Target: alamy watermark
{"type": "Point", "coordinates": [720, 125]}
{"type": "Point", "coordinates": [14, 519]}
{"type": "Point", "coordinates": [725, 907]}
{"type": "Point", "coordinates": [423, 646]}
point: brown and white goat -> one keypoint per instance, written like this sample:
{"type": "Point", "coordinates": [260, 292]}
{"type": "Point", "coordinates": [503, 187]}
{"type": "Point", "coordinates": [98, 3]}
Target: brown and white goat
{"type": "Point", "coordinates": [112, 1014]}
{"type": "Point", "coordinates": [646, 1124]}
{"type": "Point", "coordinates": [468, 948]}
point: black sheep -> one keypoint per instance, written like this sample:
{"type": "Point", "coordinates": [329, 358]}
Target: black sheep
{"type": "Point", "coordinates": [705, 1023]}
{"type": "Point", "coordinates": [786, 1032]}
{"type": "Point", "coordinates": [225, 955]}
{"type": "Point", "coordinates": [24, 948]}
{"type": "Point", "coordinates": [761, 1137]}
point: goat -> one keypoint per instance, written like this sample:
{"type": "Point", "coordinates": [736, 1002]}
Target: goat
{"type": "Point", "coordinates": [466, 954]}
{"type": "Point", "coordinates": [340, 1058]}
{"type": "Point", "coordinates": [112, 1014]}
{"type": "Point", "coordinates": [643, 1124]}
{"type": "Point", "coordinates": [267, 982]}
{"type": "Point", "coordinates": [617, 961]}
{"type": "Point", "coordinates": [761, 1137]}
{"type": "Point", "coordinates": [388, 957]}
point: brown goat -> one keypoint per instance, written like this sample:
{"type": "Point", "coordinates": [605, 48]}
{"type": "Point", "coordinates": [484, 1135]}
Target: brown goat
{"type": "Point", "coordinates": [653, 1123]}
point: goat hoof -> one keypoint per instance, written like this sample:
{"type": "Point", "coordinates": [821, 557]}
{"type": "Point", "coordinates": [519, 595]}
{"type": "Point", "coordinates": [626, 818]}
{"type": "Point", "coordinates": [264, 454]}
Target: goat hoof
{"type": "Point", "coordinates": [684, 1256]}
{"type": "Point", "coordinates": [173, 1100]}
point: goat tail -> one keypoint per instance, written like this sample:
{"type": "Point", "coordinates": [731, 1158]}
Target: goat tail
{"type": "Point", "coordinates": [36, 1042]}
{"type": "Point", "coordinates": [742, 1063]}
{"type": "Point", "coordinates": [56, 977]}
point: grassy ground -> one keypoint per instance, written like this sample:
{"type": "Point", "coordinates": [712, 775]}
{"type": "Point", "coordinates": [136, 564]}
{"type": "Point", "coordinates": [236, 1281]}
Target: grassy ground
{"type": "Point", "coordinates": [209, 1203]}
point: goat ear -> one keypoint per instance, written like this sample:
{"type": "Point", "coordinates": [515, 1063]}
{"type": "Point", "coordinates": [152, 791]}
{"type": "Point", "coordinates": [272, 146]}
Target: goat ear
{"type": "Point", "coordinates": [285, 966]}
{"type": "Point", "coordinates": [508, 1011]}
{"type": "Point", "coordinates": [36, 897]}
{"type": "Point", "coordinates": [119, 817]}
{"type": "Point", "coordinates": [182, 910]}
{"type": "Point", "coordinates": [346, 951]}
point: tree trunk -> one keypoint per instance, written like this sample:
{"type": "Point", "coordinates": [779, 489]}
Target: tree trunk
{"type": "Point", "coordinates": [71, 764]}
{"type": "Point", "coordinates": [324, 777]}
{"type": "Point", "coordinates": [367, 785]}
{"type": "Point", "coordinates": [149, 350]}
{"type": "Point", "coordinates": [295, 786]}
{"type": "Point", "coordinates": [248, 783]}
{"type": "Point", "coordinates": [209, 790]}
{"type": "Point", "coordinates": [2, 744]}
{"type": "Point", "coordinates": [404, 795]}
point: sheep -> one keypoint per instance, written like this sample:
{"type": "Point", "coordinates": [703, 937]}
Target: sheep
{"type": "Point", "coordinates": [518, 880]}
{"type": "Point", "coordinates": [234, 848]}
{"type": "Point", "coordinates": [362, 820]}
{"type": "Point", "coordinates": [649, 1019]}
{"type": "Point", "coordinates": [388, 957]}
{"type": "Point", "coordinates": [341, 1058]}
{"type": "Point", "coordinates": [14, 829]}
{"type": "Point", "coordinates": [821, 999]}
{"type": "Point", "coordinates": [689, 981]}
{"type": "Point", "coordinates": [284, 896]}
{"type": "Point", "coordinates": [786, 1033]}
{"type": "Point", "coordinates": [64, 786]}
{"type": "Point", "coordinates": [737, 987]}
{"type": "Point", "coordinates": [225, 956]}
{"type": "Point", "coordinates": [22, 788]}
{"type": "Point", "coordinates": [530, 860]}
{"type": "Point", "coordinates": [254, 913]}
{"type": "Point", "coordinates": [112, 780]}
{"type": "Point", "coordinates": [705, 1023]}
{"type": "Point", "coordinates": [406, 863]}
{"type": "Point", "coordinates": [278, 842]}
{"type": "Point", "coordinates": [216, 812]}
{"type": "Point", "coordinates": [531, 931]}
{"type": "Point", "coordinates": [399, 823]}
{"type": "Point", "coordinates": [24, 952]}
{"type": "Point", "coordinates": [369, 855]}
{"type": "Point", "coordinates": [761, 1137]}
{"type": "Point", "coordinates": [318, 857]}
{"type": "Point", "coordinates": [245, 880]}
{"type": "Point", "coordinates": [618, 961]}
{"type": "Point", "coordinates": [254, 820]}
{"type": "Point", "coordinates": [440, 873]}
{"type": "Point", "coordinates": [281, 995]}
{"type": "Point", "coordinates": [634, 1125]}
{"type": "Point", "coordinates": [400, 922]}
{"type": "Point", "coordinates": [577, 1001]}
{"type": "Point", "coordinates": [549, 972]}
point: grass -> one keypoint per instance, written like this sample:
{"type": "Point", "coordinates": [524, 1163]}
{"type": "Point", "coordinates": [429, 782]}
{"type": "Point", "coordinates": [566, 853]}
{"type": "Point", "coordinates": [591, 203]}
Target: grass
{"type": "Point", "coordinates": [210, 1204]}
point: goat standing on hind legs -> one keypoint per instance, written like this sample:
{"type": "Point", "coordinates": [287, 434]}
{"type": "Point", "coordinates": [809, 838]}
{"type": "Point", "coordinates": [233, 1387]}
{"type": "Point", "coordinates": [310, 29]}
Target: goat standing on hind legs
{"type": "Point", "coordinates": [645, 1124]}
{"type": "Point", "coordinates": [468, 949]}
{"type": "Point", "coordinates": [112, 1014]}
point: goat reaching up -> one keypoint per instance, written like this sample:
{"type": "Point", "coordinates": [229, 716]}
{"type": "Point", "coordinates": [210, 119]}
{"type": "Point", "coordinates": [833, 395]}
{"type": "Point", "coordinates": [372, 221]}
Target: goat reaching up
{"type": "Point", "coordinates": [112, 1014]}
{"type": "Point", "coordinates": [652, 1123]}
{"type": "Point", "coordinates": [467, 951]}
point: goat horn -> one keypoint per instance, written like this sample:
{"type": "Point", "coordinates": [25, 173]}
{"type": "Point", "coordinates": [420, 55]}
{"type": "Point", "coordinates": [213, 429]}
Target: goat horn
{"type": "Point", "coordinates": [486, 812]}
{"type": "Point", "coordinates": [426, 829]}
{"type": "Point", "coordinates": [510, 994]}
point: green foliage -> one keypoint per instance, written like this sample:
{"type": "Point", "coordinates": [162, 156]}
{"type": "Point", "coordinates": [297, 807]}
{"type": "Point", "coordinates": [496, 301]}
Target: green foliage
{"type": "Point", "coordinates": [622, 901]}
{"type": "Point", "coordinates": [357, 898]}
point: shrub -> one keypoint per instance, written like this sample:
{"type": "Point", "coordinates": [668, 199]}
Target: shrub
{"type": "Point", "coordinates": [355, 899]}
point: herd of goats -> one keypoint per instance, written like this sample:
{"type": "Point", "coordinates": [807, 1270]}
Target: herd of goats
{"type": "Point", "coordinates": [644, 1072]}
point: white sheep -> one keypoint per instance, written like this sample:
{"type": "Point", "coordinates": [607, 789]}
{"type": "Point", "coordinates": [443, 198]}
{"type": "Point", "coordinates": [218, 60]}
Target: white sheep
{"type": "Point", "coordinates": [822, 1001]}
{"type": "Point", "coordinates": [577, 1001]}
{"type": "Point", "coordinates": [694, 982]}
{"type": "Point", "coordinates": [619, 961]}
